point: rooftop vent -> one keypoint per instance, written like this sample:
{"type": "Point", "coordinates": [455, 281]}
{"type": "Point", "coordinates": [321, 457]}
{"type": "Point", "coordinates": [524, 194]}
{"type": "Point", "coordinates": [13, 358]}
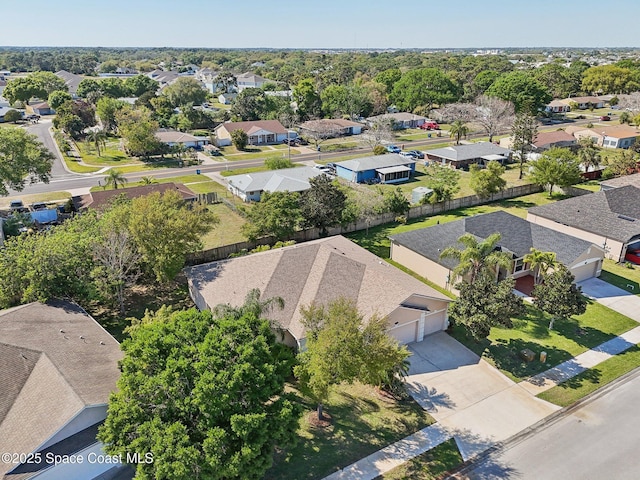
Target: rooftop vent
{"type": "Point", "coordinates": [628, 219]}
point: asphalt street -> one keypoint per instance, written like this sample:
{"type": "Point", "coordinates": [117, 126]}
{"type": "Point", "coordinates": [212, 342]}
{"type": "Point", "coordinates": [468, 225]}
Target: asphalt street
{"type": "Point", "coordinates": [599, 440]}
{"type": "Point", "coordinates": [61, 180]}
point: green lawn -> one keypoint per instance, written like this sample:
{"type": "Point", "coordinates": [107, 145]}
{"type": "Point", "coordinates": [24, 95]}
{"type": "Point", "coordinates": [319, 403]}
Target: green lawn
{"type": "Point", "coordinates": [568, 339]}
{"type": "Point", "coordinates": [625, 276]}
{"type": "Point", "coordinates": [430, 465]}
{"type": "Point", "coordinates": [231, 153]}
{"type": "Point", "coordinates": [590, 380]}
{"type": "Point", "coordinates": [74, 166]}
{"type": "Point", "coordinates": [363, 422]}
{"type": "Point", "coordinates": [192, 180]}
{"type": "Point", "coordinates": [110, 155]}
{"type": "Point", "coordinates": [226, 232]}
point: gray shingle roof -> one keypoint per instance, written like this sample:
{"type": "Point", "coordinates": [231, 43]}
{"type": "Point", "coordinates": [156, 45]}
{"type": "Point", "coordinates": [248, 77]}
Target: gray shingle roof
{"type": "Point", "coordinates": [319, 271]}
{"type": "Point", "coordinates": [517, 236]}
{"type": "Point", "coordinates": [375, 161]}
{"type": "Point", "coordinates": [598, 212]}
{"type": "Point", "coordinates": [458, 153]}
{"type": "Point", "coordinates": [622, 181]}
{"type": "Point", "coordinates": [55, 360]}
{"type": "Point", "coordinates": [286, 179]}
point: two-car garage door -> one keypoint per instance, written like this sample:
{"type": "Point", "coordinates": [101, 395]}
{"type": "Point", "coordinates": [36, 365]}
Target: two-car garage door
{"type": "Point", "coordinates": [584, 272]}
{"type": "Point", "coordinates": [408, 333]}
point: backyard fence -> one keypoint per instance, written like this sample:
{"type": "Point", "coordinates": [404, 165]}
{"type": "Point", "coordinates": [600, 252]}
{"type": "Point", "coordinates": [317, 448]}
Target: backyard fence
{"type": "Point", "coordinates": [416, 211]}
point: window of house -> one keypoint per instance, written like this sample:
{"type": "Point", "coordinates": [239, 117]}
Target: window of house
{"type": "Point", "coordinates": [518, 265]}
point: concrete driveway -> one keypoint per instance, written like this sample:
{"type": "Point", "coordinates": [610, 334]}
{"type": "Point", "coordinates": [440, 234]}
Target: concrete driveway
{"type": "Point", "coordinates": [477, 403]}
{"type": "Point", "coordinates": [613, 297]}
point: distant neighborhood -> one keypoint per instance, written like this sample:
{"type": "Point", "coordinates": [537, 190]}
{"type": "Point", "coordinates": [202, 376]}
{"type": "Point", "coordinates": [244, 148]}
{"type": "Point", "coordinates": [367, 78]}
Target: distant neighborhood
{"type": "Point", "coordinates": [313, 264]}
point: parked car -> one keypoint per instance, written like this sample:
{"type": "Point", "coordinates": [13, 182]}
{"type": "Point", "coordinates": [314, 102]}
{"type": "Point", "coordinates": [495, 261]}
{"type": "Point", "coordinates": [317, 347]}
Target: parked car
{"type": "Point", "coordinates": [332, 167]}
{"type": "Point", "coordinates": [633, 256]}
{"type": "Point", "coordinates": [39, 206]}
{"type": "Point", "coordinates": [605, 118]}
{"type": "Point", "coordinates": [16, 205]}
{"type": "Point", "coordinates": [393, 149]}
{"type": "Point", "coordinates": [290, 141]}
{"type": "Point", "coordinates": [416, 154]}
{"type": "Point", "coordinates": [430, 125]}
{"type": "Point", "coordinates": [322, 168]}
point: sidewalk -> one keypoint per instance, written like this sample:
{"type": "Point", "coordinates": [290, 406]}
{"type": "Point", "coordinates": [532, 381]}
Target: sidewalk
{"type": "Point", "coordinates": [408, 448]}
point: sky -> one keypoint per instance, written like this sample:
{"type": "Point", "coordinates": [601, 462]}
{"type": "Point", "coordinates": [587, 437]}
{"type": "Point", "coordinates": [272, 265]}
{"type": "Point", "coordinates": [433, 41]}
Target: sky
{"type": "Point", "coordinates": [320, 24]}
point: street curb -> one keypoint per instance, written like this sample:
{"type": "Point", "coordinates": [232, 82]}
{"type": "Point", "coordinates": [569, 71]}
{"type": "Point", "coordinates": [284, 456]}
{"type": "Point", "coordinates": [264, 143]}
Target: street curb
{"type": "Point", "coordinates": [61, 156]}
{"type": "Point", "coordinates": [540, 425]}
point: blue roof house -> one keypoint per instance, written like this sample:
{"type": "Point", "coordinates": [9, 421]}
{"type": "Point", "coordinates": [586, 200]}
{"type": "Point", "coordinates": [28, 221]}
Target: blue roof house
{"type": "Point", "coordinates": [390, 168]}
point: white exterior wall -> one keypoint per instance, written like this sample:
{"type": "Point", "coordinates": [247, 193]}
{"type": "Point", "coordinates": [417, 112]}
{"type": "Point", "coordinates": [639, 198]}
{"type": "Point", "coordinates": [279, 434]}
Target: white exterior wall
{"type": "Point", "coordinates": [87, 417]}
{"type": "Point", "coordinates": [223, 137]}
{"type": "Point", "coordinates": [614, 249]}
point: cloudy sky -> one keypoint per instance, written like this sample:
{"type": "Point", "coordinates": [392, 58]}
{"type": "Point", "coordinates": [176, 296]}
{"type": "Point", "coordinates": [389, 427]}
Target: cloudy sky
{"type": "Point", "coordinates": [320, 24]}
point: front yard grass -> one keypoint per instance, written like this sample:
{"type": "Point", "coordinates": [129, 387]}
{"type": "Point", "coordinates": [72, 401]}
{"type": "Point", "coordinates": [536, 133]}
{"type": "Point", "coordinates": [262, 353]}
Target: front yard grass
{"type": "Point", "coordinates": [192, 180]}
{"type": "Point", "coordinates": [252, 152]}
{"type": "Point", "coordinates": [430, 465]}
{"type": "Point", "coordinates": [48, 197]}
{"type": "Point", "coordinates": [110, 155]}
{"type": "Point", "coordinates": [569, 338]}
{"type": "Point", "coordinates": [362, 422]}
{"type": "Point", "coordinates": [591, 380]}
{"type": "Point", "coordinates": [625, 276]}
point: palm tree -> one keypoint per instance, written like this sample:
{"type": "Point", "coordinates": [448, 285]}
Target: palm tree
{"type": "Point", "coordinates": [541, 262]}
{"type": "Point", "coordinates": [148, 180]}
{"type": "Point", "coordinates": [98, 138]}
{"type": "Point", "coordinates": [458, 129]}
{"type": "Point", "coordinates": [252, 305]}
{"type": "Point", "coordinates": [478, 257]}
{"type": "Point", "coordinates": [588, 154]}
{"type": "Point", "coordinates": [115, 179]}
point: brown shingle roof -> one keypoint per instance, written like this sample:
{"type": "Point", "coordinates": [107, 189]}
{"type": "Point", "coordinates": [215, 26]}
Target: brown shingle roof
{"type": "Point", "coordinates": [546, 138]}
{"type": "Point", "coordinates": [319, 271]}
{"type": "Point", "coordinates": [55, 360]}
{"type": "Point", "coordinates": [617, 131]}
{"type": "Point", "coordinates": [102, 198]}
{"type": "Point", "coordinates": [273, 126]}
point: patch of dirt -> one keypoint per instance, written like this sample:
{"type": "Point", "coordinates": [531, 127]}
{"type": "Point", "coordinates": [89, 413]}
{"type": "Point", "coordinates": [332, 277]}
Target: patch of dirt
{"type": "Point", "coordinates": [312, 418]}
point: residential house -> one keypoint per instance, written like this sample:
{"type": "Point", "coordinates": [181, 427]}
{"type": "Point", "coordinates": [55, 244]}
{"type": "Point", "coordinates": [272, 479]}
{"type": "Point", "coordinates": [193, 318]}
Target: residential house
{"type": "Point", "coordinates": [3, 112]}
{"type": "Point", "coordinates": [400, 120]}
{"type": "Point", "coordinates": [331, 127]}
{"type": "Point", "coordinates": [249, 187]}
{"type": "Point", "coordinates": [173, 137]}
{"type": "Point", "coordinates": [58, 367]}
{"type": "Point", "coordinates": [557, 106]}
{"type": "Point", "coordinates": [164, 78]}
{"type": "Point", "coordinates": [71, 80]}
{"type": "Point", "coordinates": [461, 156]}
{"type": "Point", "coordinates": [419, 250]}
{"type": "Point", "coordinates": [249, 80]}
{"type": "Point", "coordinates": [319, 272]}
{"type": "Point", "coordinates": [623, 181]}
{"type": "Point", "coordinates": [617, 136]}
{"type": "Point", "coordinates": [227, 98]}
{"type": "Point", "coordinates": [103, 198]}
{"type": "Point", "coordinates": [260, 132]}
{"type": "Point", "coordinates": [389, 168]}
{"type": "Point", "coordinates": [42, 108]}
{"type": "Point", "coordinates": [609, 219]}
{"type": "Point", "coordinates": [584, 102]}
{"type": "Point", "coordinates": [545, 140]}
{"type": "Point", "coordinates": [210, 79]}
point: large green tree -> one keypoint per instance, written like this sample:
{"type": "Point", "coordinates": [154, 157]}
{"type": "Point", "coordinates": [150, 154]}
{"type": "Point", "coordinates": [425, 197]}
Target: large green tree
{"type": "Point", "coordinates": [346, 100]}
{"type": "Point", "coordinates": [523, 132]}
{"type": "Point", "coordinates": [606, 79]}
{"type": "Point", "coordinates": [276, 214]}
{"type": "Point", "coordinates": [204, 395]}
{"type": "Point", "coordinates": [185, 90]}
{"type": "Point", "coordinates": [106, 109]}
{"type": "Point", "coordinates": [342, 346]}
{"type": "Point", "coordinates": [57, 98]}
{"type": "Point", "coordinates": [22, 158]}
{"type": "Point", "coordinates": [458, 129]}
{"type": "Point", "coordinates": [37, 84]}
{"type": "Point", "coordinates": [308, 99]}
{"type": "Point", "coordinates": [139, 85]}
{"type": "Point", "coordinates": [524, 91]}
{"type": "Point", "coordinates": [165, 229]}
{"type": "Point", "coordinates": [424, 87]}
{"type": "Point", "coordinates": [443, 181]}
{"type": "Point", "coordinates": [321, 205]}
{"type": "Point", "coordinates": [558, 296]}
{"type": "Point", "coordinates": [556, 166]}
{"type": "Point", "coordinates": [488, 181]}
{"type": "Point", "coordinates": [138, 130]}
{"type": "Point", "coordinates": [485, 303]}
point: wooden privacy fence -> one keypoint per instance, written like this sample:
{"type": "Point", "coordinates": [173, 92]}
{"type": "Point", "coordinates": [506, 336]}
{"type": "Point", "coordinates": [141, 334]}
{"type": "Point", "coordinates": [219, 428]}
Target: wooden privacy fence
{"type": "Point", "coordinates": [416, 211]}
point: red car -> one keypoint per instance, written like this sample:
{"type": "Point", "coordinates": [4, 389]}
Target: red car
{"type": "Point", "coordinates": [605, 118]}
{"type": "Point", "coordinates": [430, 125]}
{"type": "Point", "coordinates": [633, 256]}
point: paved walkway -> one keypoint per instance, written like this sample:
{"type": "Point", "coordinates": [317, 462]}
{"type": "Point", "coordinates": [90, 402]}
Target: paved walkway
{"type": "Point", "coordinates": [408, 448]}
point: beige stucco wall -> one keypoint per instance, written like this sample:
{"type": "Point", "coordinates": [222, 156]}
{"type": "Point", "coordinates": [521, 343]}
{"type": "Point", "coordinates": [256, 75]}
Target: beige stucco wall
{"type": "Point", "coordinates": [613, 249]}
{"type": "Point", "coordinates": [422, 266]}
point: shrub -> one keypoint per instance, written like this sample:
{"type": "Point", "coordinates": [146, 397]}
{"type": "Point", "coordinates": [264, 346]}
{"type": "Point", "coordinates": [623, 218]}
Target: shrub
{"type": "Point", "coordinates": [379, 150]}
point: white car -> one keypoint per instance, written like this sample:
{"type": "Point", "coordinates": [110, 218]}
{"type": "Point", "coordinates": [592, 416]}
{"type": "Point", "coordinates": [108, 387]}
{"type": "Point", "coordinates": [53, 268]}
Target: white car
{"type": "Point", "coordinates": [322, 168]}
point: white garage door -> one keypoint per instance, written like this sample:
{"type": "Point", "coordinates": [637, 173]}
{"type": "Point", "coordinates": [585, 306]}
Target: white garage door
{"type": "Point", "coordinates": [585, 271]}
{"type": "Point", "coordinates": [432, 325]}
{"type": "Point", "coordinates": [406, 333]}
